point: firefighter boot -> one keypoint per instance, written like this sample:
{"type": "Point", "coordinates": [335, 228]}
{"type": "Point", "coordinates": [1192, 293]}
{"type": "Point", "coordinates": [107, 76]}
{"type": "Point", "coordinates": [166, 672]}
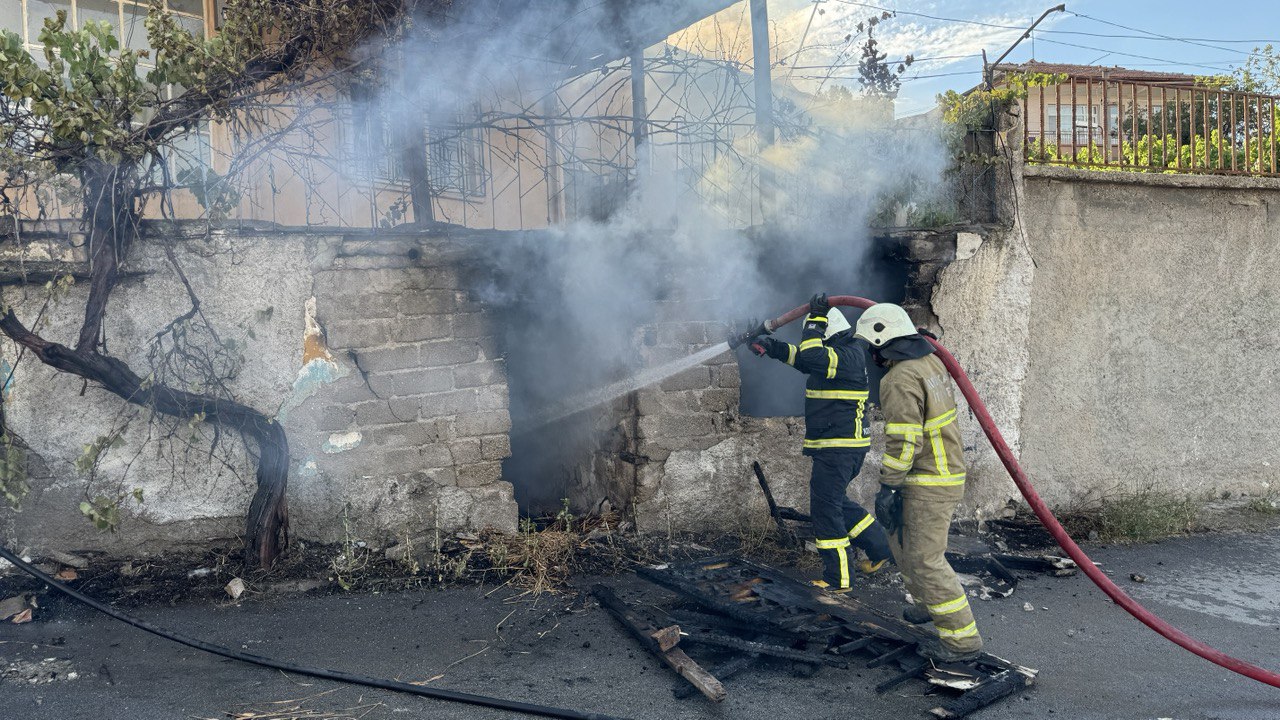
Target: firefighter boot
{"type": "Point", "coordinates": [936, 651]}
{"type": "Point", "coordinates": [916, 615]}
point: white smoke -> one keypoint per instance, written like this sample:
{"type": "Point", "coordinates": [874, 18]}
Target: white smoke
{"type": "Point", "coordinates": [684, 247]}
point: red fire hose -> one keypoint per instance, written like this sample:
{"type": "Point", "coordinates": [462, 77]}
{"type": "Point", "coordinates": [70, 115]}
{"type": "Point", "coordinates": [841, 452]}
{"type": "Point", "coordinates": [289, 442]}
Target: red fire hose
{"type": "Point", "coordinates": [1046, 517]}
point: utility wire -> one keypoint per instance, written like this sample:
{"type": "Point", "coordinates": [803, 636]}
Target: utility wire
{"type": "Point", "coordinates": [805, 36]}
{"type": "Point", "coordinates": [1146, 36]}
{"type": "Point", "coordinates": [1157, 36]}
{"type": "Point", "coordinates": [1125, 54]}
{"type": "Point", "coordinates": [903, 79]}
{"type": "Point", "coordinates": [930, 58]}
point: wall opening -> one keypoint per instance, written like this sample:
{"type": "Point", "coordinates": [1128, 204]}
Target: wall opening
{"type": "Point", "coordinates": [542, 341]}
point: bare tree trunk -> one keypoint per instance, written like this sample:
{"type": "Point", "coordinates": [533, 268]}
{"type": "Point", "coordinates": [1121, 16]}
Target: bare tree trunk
{"type": "Point", "coordinates": [112, 227]}
{"type": "Point", "coordinates": [266, 532]}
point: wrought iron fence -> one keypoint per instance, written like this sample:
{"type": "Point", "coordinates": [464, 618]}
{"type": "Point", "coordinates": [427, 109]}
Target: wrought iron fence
{"type": "Point", "coordinates": [1101, 124]}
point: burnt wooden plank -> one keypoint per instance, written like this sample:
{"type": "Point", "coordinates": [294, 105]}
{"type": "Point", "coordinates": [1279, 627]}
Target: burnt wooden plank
{"type": "Point", "coordinates": [754, 597]}
{"type": "Point", "coordinates": [683, 586]}
{"type": "Point", "coordinates": [710, 620]}
{"type": "Point", "coordinates": [1049, 564]}
{"type": "Point", "coordinates": [913, 670]}
{"type": "Point", "coordinates": [893, 654]}
{"type": "Point", "coordinates": [644, 631]}
{"type": "Point", "coordinates": [778, 651]}
{"type": "Point", "coordinates": [986, 693]}
{"type": "Point", "coordinates": [722, 672]}
{"type": "Point", "coordinates": [853, 646]}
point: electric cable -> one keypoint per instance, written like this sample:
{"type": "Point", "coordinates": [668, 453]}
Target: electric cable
{"type": "Point", "coordinates": [324, 674]}
{"type": "Point", "coordinates": [1125, 54]}
{"type": "Point", "coordinates": [1158, 36]}
{"type": "Point", "coordinates": [1147, 35]}
{"type": "Point", "coordinates": [1046, 517]}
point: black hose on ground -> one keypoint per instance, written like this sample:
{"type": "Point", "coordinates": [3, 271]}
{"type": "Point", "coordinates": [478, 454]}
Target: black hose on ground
{"type": "Point", "coordinates": [335, 675]}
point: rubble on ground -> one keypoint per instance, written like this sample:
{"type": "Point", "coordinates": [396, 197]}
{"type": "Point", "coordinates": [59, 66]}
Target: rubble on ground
{"type": "Point", "coordinates": [738, 615]}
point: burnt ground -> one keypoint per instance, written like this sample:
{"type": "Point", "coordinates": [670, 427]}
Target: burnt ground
{"type": "Point", "coordinates": [559, 649]}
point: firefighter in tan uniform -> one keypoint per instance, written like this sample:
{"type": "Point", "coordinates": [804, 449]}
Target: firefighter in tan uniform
{"type": "Point", "coordinates": [921, 477]}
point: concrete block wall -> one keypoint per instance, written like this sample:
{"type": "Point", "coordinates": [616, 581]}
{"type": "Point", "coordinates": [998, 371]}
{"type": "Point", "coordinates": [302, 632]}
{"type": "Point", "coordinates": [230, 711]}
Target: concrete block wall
{"type": "Point", "coordinates": [365, 346]}
{"type": "Point", "coordinates": [420, 412]}
{"type": "Point", "coordinates": [696, 448]}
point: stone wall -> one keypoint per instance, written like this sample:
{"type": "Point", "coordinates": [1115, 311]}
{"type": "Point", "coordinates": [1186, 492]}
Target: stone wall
{"type": "Point", "coordinates": [980, 310]}
{"type": "Point", "coordinates": [695, 445]}
{"type": "Point", "coordinates": [1122, 332]}
{"type": "Point", "coordinates": [366, 346]}
{"type": "Point", "coordinates": [1153, 327]}
{"type": "Point", "coordinates": [697, 448]}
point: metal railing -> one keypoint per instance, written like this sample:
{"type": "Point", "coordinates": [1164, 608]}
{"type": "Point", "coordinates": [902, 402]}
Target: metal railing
{"type": "Point", "coordinates": [1109, 125]}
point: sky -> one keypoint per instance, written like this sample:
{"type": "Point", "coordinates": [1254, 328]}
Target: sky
{"type": "Point", "coordinates": [948, 52]}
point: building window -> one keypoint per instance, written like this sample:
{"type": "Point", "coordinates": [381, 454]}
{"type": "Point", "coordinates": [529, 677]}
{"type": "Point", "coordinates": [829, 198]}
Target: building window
{"type": "Point", "coordinates": [595, 189]}
{"type": "Point", "coordinates": [456, 160]}
{"type": "Point", "coordinates": [190, 151]}
{"type": "Point", "coordinates": [455, 153]}
{"type": "Point", "coordinates": [128, 18]}
{"type": "Point", "coordinates": [369, 145]}
{"type": "Point", "coordinates": [1088, 123]}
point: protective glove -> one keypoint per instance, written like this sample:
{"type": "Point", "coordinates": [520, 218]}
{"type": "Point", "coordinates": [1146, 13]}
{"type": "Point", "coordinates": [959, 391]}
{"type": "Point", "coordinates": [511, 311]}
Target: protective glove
{"type": "Point", "coordinates": [889, 509]}
{"type": "Point", "coordinates": [761, 345]}
{"type": "Point", "coordinates": [818, 305]}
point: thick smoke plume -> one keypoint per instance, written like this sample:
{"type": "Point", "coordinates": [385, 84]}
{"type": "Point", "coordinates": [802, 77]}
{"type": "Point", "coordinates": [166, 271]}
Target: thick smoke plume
{"type": "Point", "coordinates": [684, 247]}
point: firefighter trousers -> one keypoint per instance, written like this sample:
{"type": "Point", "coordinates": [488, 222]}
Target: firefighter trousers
{"type": "Point", "coordinates": [927, 575]}
{"type": "Point", "coordinates": [839, 522]}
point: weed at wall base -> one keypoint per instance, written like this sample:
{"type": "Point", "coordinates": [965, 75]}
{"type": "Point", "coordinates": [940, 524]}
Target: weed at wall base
{"type": "Point", "coordinates": [1145, 516]}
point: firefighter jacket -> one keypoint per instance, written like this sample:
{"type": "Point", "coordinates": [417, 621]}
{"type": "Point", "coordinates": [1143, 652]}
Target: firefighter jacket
{"type": "Point", "coordinates": [835, 396]}
{"type": "Point", "coordinates": [922, 453]}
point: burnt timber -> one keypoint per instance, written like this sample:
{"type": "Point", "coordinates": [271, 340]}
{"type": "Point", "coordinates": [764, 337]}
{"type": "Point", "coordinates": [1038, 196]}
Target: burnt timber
{"type": "Point", "coordinates": [746, 613]}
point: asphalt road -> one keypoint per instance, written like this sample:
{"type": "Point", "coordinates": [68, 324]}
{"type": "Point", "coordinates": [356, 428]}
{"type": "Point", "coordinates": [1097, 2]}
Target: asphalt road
{"type": "Point", "coordinates": [1095, 661]}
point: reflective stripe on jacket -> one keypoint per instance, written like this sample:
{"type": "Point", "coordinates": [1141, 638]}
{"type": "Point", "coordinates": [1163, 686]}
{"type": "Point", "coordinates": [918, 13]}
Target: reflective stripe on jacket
{"type": "Point", "coordinates": [922, 438]}
{"type": "Point", "coordinates": [835, 395]}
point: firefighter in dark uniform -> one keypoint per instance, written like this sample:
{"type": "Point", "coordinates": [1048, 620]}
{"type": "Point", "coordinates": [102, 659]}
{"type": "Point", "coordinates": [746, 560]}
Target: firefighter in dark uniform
{"type": "Point", "coordinates": [835, 437]}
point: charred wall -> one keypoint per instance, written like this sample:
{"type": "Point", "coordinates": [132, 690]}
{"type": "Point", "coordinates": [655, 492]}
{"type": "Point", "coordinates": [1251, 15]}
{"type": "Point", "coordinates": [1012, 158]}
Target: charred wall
{"type": "Point", "coordinates": [688, 441]}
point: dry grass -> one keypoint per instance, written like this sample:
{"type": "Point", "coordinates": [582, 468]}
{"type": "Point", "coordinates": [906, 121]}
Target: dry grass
{"type": "Point", "coordinates": [1145, 516]}
{"type": "Point", "coordinates": [543, 559]}
{"type": "Point", "coordinates": [1266, 504]}
{"type": "Point", "coordinates": [307, 708]}
{"type": "Point", "coordinates": [762, 541]}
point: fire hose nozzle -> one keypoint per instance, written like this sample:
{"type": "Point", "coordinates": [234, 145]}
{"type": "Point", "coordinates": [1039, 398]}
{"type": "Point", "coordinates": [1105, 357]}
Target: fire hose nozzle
{"type": "Point", "coordinates": [755, 329]}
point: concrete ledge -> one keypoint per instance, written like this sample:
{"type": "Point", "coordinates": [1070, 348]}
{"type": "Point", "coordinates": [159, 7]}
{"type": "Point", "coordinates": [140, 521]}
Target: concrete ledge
{"type": "Point", "coordinates": [1177, 180]}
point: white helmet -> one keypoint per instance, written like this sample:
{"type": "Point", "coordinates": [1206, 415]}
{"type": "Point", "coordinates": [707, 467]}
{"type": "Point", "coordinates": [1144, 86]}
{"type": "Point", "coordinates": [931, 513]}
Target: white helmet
{"type": "Point", "coordinates": [883, 322]}
{"type": "Point", "coordinates": [836, 322]}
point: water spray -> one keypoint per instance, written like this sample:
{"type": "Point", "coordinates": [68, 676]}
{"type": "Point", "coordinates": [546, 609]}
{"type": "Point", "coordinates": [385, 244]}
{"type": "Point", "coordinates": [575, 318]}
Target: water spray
{"type": "Point", "coordinates": [643, 379]}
